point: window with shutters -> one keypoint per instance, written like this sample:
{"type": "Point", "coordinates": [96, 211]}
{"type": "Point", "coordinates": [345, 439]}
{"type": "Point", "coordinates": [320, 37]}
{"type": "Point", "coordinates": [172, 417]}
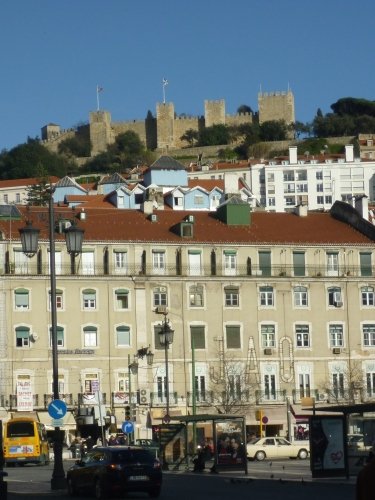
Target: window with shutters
{"type": "Point", "coordinates": [233, 336]}
{"type": "Point", "coordinates": [22, 299]}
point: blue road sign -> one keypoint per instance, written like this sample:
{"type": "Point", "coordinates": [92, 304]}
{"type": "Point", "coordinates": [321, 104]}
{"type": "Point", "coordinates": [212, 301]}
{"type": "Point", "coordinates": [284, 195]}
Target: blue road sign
{"type": "Point", "coordinates": [127, 427]}
{"type": "Point", "coordinates": [57, 409]}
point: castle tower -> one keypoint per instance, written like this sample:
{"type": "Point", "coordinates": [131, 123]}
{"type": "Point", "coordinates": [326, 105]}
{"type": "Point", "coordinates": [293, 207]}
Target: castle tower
{"type": "Point", "coordinates": [276, 106]}
{"type": "Point", "coordinates": [100, 131]}
{"type": "Point", "coordinates": [214, 112]}
{"type": "Point", "coordinates": [165, 121]}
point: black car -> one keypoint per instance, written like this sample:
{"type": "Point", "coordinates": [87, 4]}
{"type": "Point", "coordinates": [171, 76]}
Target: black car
{"type": "Point", "coordinates": [107, 470]}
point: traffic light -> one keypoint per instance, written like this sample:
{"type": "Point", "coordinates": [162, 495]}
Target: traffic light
{"type": "Point", "coordinates": [127, 412]}
{"type": "Point", "coordinates": [134, 413]}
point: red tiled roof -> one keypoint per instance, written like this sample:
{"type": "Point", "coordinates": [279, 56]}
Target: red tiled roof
{"type": "Point", "coordinates": [208, 184]}
{"type": "Point", "coordinates": [265, 228]}
{"type": "Point", "coordinates": [25, 182]}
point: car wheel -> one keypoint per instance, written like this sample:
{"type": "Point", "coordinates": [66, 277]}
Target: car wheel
{"type": "Point", "coordinates": [71, 488]}
{"type": "Point", "coordinates": [154, 493]}
{"type": "Point", "coordinates": [99, 491]}
{"type": "Point", "coordinates": [302, 454]}
{"type": "Point", "coordinates": [260, 455]}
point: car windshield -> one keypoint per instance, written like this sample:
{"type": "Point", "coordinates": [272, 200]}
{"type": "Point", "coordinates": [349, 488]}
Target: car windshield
{"type": "Point", "coordinates": [255, 441]}
{"type": "Point", "coordinates": [131, 456]}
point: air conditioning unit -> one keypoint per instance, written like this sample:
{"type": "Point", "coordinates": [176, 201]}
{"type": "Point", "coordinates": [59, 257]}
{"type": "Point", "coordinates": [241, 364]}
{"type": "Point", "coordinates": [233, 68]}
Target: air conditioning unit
{"type": "Point", "coordinates": [161, 309]}
{"type": "Point", "coordinates": [268, 351]}
{"type": "Point", "coordinates": [322, 396]}
{"type": "Point", "coordinates": [336, 350]}
{"type": "Point", "coordinates": [144, 397]}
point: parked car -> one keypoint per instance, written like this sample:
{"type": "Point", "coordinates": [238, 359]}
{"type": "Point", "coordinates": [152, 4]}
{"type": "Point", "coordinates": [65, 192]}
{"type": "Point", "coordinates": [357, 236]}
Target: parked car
{"type": "Point", "coordinates": [276, 447]}
{"type": "Point", "coordinates": [151, 445]}
{"type": "Point", "coordinates": [107, 470]}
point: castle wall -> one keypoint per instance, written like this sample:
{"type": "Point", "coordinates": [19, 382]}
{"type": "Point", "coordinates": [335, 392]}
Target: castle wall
{"type": "Point", "coordinates": [214, 112]}
{"type": "Point", "coordinates": [137, 126]}
{"type": "Point", "coordinates": [180, 126]}
{"type": "Point", "coordinates": [164, 132]}
{"type": "Point", "coordinates": [238, 119]}
{"type": "Point", "coordinates": [276, 106]}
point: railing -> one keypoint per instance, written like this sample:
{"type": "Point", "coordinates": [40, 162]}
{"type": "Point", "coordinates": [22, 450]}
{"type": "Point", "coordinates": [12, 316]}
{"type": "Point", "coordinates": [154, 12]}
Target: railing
{"type": "Point", "coordinates": [242, 270]}
{"type": "Point", "coordinates": [270, 397]}
{"type": "Point", "coordinates": [233, 398]}
{"type": "Point", "coordinates": [160, 399]}
{"type": "Point", "coordinates": [306, 393]}
{"type": "Point", "coordinates": [91, 398]}
{"type": "Point", "coordinates": [11, 401]}
{"type": "Point", "coordinates": [67, 398]}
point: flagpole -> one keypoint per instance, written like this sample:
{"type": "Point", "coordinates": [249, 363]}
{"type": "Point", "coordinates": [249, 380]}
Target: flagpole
{"type": "Point", "coordinates": [97, 98]}
{"type": "Point", "coordinates": [165, 82]}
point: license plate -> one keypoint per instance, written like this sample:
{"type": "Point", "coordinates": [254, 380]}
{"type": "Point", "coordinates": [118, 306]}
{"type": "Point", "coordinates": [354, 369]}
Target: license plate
{"type": "Point", "coordinates": [138, 478]}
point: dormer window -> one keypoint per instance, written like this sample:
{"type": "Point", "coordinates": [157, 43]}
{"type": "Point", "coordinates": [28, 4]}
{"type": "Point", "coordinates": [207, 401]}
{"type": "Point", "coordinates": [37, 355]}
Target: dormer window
{"type": "Point", "coordinates": [186, 230]}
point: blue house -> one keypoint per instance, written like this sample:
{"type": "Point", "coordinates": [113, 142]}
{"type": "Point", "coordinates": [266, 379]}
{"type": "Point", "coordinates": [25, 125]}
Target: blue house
{"type": "Point", "coordinates": [166, 172]}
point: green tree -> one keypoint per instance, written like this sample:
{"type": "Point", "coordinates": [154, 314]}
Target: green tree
{"type": "Point", "coordinates": [243, 109]}
{"type": "Point", "coordinates": [353, 107]}
{"type": "Point", "coordinates": [78, 146]}
{"type": "Point", "coordinates": [214, 136]}
{"type": "Point", "coordinates": [24, 161]}
{"type": "Point", "coordinates": [37, 194]}
{"type": "Point", "coordinates": [191, 136]}
{"type": "Point", "coordinates": [273, 130]}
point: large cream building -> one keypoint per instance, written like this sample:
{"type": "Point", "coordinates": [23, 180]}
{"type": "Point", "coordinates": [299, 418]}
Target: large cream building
{"type": "Point", "coordinates": [280, 306]}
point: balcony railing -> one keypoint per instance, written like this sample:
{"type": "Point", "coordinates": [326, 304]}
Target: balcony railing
{"type": "Point", "coordinates": [67, 398]}
{"type": "Point", "coordinates": [242, 270]}
{"type": "Point", "coordinates": [270, 397]}
{"type": "Point", "coordinates": [160, 398]}
{"type": "Point", "coordinates": [306, 393]}
{"type": "Point", "coordinates": [92, 398]}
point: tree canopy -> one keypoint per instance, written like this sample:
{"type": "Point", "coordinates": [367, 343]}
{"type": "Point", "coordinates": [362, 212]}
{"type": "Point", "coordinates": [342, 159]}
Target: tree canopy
{"type": "Point", "coordinates": [26, 160]}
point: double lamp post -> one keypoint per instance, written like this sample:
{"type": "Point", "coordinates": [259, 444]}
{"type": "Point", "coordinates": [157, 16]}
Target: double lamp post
{"type": "Point", "coordinates": [74, 238]}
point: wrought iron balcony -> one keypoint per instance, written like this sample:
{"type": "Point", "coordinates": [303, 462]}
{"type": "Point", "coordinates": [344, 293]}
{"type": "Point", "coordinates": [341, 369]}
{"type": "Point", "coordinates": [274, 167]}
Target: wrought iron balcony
{"type": "Point", "coordinates": [31, 268]}
{"type": "Point", "coordinates": [92, 398]}
{"type": "Point", "coordinates": [304, 393]}
{"type": "Point", "coordinates": [270, 397]}
{"type": "Point", "coordinates": [67, 398]}
{"type": "Point", "coordinates": [160, 398]}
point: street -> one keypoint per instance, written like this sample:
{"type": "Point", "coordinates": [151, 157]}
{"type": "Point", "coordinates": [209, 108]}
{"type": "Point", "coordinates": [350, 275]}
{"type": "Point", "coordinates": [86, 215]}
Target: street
{"type": "Point", "coordinates": [288, 480]}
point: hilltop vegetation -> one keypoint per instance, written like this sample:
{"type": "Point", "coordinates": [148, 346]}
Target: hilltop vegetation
{"type": "Point", "coordinates": [349, 117]}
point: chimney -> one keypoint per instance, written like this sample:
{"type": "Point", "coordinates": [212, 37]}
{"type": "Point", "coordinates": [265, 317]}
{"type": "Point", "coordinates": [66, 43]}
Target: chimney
{"type": "Point", "coordinates": [148, 207]}
{"type": "Point", "coordinates": [349, 152]}
{"type": "Point", "coordinates": [293, 155]}
{"type": "Point", "coordinates": [301, 210]}
{"type": "Point", "coordinates": [361, 205]}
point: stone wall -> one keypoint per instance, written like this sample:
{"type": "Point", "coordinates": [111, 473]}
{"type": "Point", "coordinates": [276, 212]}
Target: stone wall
{"type": "Point", "coordinates": [276, 106]}
{"type": "Point", "coordinates": [164, 132]}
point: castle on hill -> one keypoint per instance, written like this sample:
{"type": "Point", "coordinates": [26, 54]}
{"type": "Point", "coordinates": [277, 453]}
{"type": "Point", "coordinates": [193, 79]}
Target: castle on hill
{"type": "Point", "coordinates": [165, 131]}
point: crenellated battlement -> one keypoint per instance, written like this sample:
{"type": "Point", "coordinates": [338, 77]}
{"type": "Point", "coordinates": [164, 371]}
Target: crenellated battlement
{"type": "Point", "coordinates": [166, 129]}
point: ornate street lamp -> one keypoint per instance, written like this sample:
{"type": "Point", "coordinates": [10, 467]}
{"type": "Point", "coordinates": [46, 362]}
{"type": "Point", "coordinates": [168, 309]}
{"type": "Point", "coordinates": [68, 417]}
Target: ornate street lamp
{"type": "Point", "coordinates": [165, 339]}
{"type": "Point", "coordinates": [29, 239]}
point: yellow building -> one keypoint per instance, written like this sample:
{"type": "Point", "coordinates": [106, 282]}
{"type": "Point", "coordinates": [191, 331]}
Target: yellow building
{"type": "Point", "coordinates": [278, 306]}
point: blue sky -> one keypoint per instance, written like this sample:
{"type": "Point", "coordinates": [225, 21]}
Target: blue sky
{"type": "Point", "coordinates": [53, 54]}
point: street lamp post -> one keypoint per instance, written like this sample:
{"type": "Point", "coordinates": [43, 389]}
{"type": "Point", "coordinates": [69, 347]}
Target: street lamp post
{"type": "Point", "coordinates": [29, 239]}
{"type": "Point", "coordinates": [165, 339]}
{"type": "Point", "coordinates": [133, 369]}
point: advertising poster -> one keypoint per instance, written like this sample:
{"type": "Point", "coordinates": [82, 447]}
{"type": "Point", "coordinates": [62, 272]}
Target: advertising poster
{"type": "Point", "coordinates": [24, 396]}
{"type": "Point", "coordinates": [230, 445]}
{"type": "Point", "coordinates": [327, 446]}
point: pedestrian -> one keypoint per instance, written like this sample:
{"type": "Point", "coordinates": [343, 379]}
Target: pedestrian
{"type": "Point", "coordinates": [113, 441]}
{"type": "Point", "coordinates": [365, 487]}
